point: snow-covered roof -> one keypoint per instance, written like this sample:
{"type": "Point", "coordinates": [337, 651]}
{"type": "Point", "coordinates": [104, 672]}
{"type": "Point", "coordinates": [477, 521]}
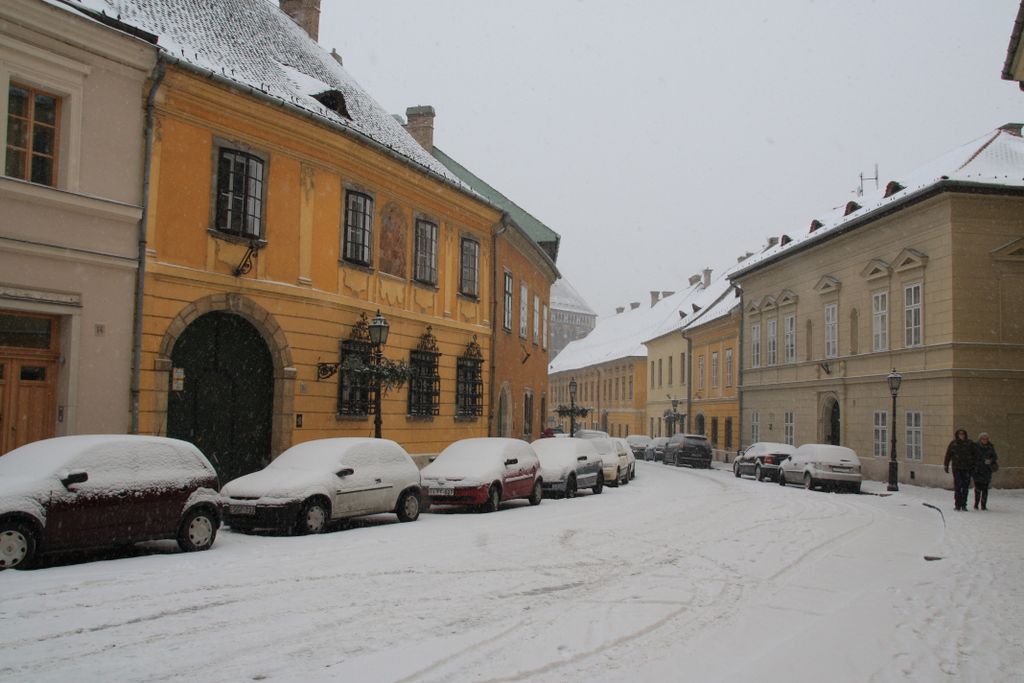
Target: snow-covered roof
{"type": "Point", "coordinates": [254, 44]}
{"type": "Point", "coordinates": [993, 160]}
{"type": "Point", "coordinates": [564, 297]}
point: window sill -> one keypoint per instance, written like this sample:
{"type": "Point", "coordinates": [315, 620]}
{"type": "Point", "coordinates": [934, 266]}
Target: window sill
{"type": "Point", "coordinates": [432, 286]}
{"type": "Point", "coordinates": [469, 297]}
{"type": "Point", "coordinates": [355, 266]}
{"type": "Point", "coordinates": [466, 418]}
{"type": "Point", "coordinates": [419, 418]}
{"type": "Point", "coordinates": [339, 417]}
{"type": "Point", "coordinates": [237, 239]}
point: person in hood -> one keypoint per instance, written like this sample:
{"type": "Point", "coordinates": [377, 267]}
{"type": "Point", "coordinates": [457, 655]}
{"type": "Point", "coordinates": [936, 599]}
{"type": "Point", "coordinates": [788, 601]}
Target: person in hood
{"type": "Point", "coordinates": [961, 454]}
{"type": "Point", "coordinates": [985, 464]}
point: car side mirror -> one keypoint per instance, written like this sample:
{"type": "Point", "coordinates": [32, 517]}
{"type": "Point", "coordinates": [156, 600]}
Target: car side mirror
{"type": "Point", "coordinates": [76, 477]}
{"type": "Point", "coordinates": [345, 472]}
{"type": "Point", "coordinates": [432, 458]}
{"type": "Point", "coordinates": [511, 461]}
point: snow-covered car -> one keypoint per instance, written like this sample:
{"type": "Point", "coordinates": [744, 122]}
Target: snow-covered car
{"type": "Point", "coordinates": [591, 434]}
{"type": "Point", "coordinates": [568, 465]}
{"type": "Point", "coordinates": [315, 483]}
{"type": "Point", "coordinates": [762, 459]}
{"type": "Point", "coordinates": [630, 457]}
{"type": "Point", "coordinates": [655, 450]}
{"type": "Point", "coordinates": [74, 492]}
{"type": "Point", "coordinates": [822, 465]}
{"type": "Point", "coordinates": [614, 460]}
{"type": "Point", "coordinates": [484, 472]}
{"type": "Point", "coordinates": [688, 449]}
{"type": "Point", "coordinates": [638, 443]}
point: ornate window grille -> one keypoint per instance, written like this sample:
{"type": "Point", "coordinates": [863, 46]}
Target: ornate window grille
{"type": "Point", "coordinates": [424, 380]}
{"type": "Point", "coordinates": [469, 382]}
{"type": "Point", "coordinates": [354, 390]}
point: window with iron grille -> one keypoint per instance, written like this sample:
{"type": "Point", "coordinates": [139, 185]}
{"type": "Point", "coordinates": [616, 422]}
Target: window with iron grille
{"type": "Point", "coordinates": [354, 390]}
{"type": "Point", "coordinates": [469, 382]}
{"type": "Point", "coordinates": [426, 252]}
{"type": "Point", "coordinates": [358, 228]}
{"type": "Point", "coordinates": [469, 281]}
{"type": "Point", "coordinates": [33, 129]}
{"type": "Point", "coordinates": [424, 384]}
{"type": "Point", "coordinates": [240, 193]}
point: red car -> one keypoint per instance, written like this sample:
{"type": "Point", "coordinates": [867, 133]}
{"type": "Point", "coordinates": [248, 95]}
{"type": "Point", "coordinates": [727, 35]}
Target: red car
{"type": "Point", "coordinates": [483, 472]}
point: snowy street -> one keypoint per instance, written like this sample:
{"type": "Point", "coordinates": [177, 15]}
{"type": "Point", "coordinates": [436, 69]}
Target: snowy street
{"type": "Point", "coordinates": [682, 575]}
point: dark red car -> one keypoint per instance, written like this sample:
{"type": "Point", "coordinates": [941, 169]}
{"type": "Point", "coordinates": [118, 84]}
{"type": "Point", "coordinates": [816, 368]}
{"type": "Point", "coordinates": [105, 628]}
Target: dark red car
{"type": "Point", "coordinates": [482, 473]}
{"type": "Point", "coordinates": [76, 492]}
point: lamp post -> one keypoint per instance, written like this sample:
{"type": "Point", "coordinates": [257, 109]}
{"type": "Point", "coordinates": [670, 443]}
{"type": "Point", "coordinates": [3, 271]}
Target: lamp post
{"type": "Point", "coordinates": [378, 330]}
{"type": "Point", "coordinates": [572, 407]}
{"type": "Point", "coordinates": [894, 380]}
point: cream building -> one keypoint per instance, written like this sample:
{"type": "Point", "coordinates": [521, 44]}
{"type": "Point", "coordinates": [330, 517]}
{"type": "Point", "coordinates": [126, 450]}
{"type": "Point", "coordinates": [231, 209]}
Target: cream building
{"type": "Point", "coordinates": [73, 102]}
{"type": "Point", "coordinates": [926, 278]}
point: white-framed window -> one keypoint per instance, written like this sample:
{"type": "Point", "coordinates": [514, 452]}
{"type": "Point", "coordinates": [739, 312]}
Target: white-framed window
{"type": "Point", "coordinates": [524, 310]}
{"type": "Point", "coordinates": [755, 427]}
{"type": "Point", "coordinates": [544, 323]}
{"type": "Point", "coordinates": [912, 315]}
{"type": "Point", "coordinates": [914, 436]}
{"type": "Point", "coordinates": [773, 341]}
{"type": "Point", "coordinates": [789, 338]}
{"type": "Point", "coordinates": [714, 369]}
{"type": "Point", "coordinates": [700, 372]}
{"type": "Point", "coordinates": [506, 320]}
{"type": "Point", "coordinates": [536, 319]}
{"type": "Point", "coordinates": [880, 321]}
{"type": "Point", "coordinates": [728, 367]}
{"type": "Point", "coordinates": [831, 330]}
{"type": "Point", "coordinates": [788, 426]}
{"type": "Point", "coordinates": [426, 252]}
{"type": "Point", "coordinates": [881, 433]}
{"type": "Point", "coordinates": [755, 345]}
{"type": "Point", "coordinates": [469, 279]}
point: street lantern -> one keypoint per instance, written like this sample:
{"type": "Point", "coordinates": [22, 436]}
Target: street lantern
{"type": "Point", "coordinates": [378, 330]}
{"type": "Point", "coordinates": [572, 406]}
{"type": "Point", "coordinates": [894, 379]}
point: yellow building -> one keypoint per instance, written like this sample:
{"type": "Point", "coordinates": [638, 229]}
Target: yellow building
{"type": "Point", "coordinates": [284, 208]}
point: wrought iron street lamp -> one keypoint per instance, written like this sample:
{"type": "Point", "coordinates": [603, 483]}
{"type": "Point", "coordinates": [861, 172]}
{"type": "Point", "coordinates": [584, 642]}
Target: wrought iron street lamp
{"type": "Point", "coordinates": [572, 406]}
{"type": "Point", "coordinates": [378, 330]}
{"type": "Point", "coordinates": [894, 379]}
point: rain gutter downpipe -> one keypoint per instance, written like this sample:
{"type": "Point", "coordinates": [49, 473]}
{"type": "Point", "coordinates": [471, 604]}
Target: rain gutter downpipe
{"type": "Point", "coordinates": [140, 279]}
{"type": "Point", "coordinates": [499, 229]}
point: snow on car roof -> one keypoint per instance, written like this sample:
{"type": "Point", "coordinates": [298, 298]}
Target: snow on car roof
{"type": "Point", "coordinates": [477, 457]}
{"type": "Point", "coordinates": [826, 452]}
{"type": "Point", "coordinates": [771, 447]}
{"type": "Point", "coordinates": [46, 457]}
{"type": "Point", "coordinates": [327, 454]}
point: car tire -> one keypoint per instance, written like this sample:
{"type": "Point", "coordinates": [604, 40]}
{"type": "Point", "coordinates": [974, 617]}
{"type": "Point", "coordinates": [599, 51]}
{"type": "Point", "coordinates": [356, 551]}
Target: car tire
{"type": "Point", "coordinates": [18, 546]}
{"type": "Point", "coordinates": [615, 482]}
{"type": "Point", "coordinates": [537, 494]}
{"type": "Point", "coordinates": [736, 469]}
{"type": "Point", "coordinates": [625, 478]}
{"type": "Point", "coordinates": [493, 499]}
{"type": "Point", "coordinates": [198, 530]}
{"type": "Point", "coordinates": [758, 474]}
{"type": "Point", "coordinates": [782, 478]}
{"type": "Point", "coordinates": [570, 486]}
{"type": "Point", "coordinates": [632, 472]}
{"type": "Point", "coordinates": [855, 488]}
{"type": "Point", "coordinates": [599, 484]}
{"type": "Point", "coordinates": [313, 517]}
{"type": "Point", "coordinates": [408, 508]}
{"type": "Point", "coordinates": [808, 481]}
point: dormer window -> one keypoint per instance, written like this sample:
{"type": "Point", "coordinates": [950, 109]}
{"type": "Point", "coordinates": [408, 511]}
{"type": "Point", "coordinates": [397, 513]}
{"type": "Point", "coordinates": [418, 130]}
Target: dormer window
{"type": "Point", "coordinates": [333, 100]}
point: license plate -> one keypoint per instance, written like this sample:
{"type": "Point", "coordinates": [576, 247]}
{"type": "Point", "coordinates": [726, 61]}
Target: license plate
{"type": "Point", "coordinates": [441, 491]}
{"type": "Point", "coordinates": [242, 509]}
{"type": "Point", "coordinates": [841, 469]}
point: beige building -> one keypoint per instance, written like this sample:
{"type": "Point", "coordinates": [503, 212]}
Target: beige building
{"type": "Point", "coordinates": [926, 278]}
{"type": "Point", "coordinates": [73, 102]}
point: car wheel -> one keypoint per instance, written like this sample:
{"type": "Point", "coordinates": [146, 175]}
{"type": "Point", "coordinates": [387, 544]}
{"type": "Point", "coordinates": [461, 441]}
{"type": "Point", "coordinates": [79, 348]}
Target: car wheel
{"type": "Point", "coordinates": [625, 477]}
{"type": "Point", "coordinates": [632, 472]}
{"type": "Point", "coordinates": [615, 482]}
{"type": "Point", "coordinates": [493, 499]}
{"type": "Point", "coordinates": [599, 484]}
{"type": "Point", "coordinates": [570, 486]}
{"type": "Point", "coordinates": [855, 488]}
{"type": "Point", "coordinates": [736, 469]}
{"type": "Point", "coordinates": [313, 517]}
{"type": "Point", "coordinates": [198, 530]}
{"type": "Point", "coordinates": [782, 478]}
{"type": "Point", "coordinates": [808, 482]}
{"type": "Point", "coordinates": [537, 495]}
{"type": "Point", "coordinates": [17, 546]}
{"type": "Point", "coordinates": [758, 474]}
{"type": "Point", "coordinates": [408, 508]}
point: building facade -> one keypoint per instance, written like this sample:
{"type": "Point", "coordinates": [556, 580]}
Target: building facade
{"type": "Point", "coordinates": [72, 193]}
{"type": "Point", "coordinates": [571, 317]}
{"type": "Point", "coordinates": [713, 349]}
{"type": "Point", "coordinates": [926, 278]}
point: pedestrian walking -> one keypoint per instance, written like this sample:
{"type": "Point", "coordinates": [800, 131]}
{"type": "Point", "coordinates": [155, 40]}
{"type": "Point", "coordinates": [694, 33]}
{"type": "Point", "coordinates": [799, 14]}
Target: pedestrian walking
{"type": "Point", "coordinates": [961, 455]}
{"type": "Point", "coordinates": [985, 464]}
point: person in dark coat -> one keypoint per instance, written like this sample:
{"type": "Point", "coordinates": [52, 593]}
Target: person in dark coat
{"type": "Point", "coordinates": [961, 455]}
{"type": "Point", "coordinates": [983, 466]}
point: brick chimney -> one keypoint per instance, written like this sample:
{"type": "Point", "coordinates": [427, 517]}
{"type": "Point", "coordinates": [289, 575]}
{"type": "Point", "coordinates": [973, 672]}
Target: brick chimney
{"type": "Point", "coordinates": [421, 125]}
{"type": "Point", "coordinates": [707, 277]}
{"type": "Point", "coordinates": [305, 13]}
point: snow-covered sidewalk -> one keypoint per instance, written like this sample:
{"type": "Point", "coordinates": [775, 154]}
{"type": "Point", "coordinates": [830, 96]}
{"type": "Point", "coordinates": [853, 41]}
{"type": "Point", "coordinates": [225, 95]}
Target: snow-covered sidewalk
{"type": "Point", "coordinates": [686, 575]}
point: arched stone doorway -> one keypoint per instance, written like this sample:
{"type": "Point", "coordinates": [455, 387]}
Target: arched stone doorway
{"type": "Point", "coordinates": [236, 371]}
{"type": "Point", "coordinates": [830, 421]}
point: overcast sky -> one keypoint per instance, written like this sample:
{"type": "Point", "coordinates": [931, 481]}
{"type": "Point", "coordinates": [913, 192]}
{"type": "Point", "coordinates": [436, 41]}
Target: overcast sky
{"type": "Point", "coordinates": [659, 138]}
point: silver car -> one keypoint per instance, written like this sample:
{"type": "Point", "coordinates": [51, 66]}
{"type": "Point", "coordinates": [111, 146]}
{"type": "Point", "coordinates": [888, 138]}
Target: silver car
{"type": "Point", "coordinates": [568, 465]}
{"type": "Point", "coordinates": [821, 465]}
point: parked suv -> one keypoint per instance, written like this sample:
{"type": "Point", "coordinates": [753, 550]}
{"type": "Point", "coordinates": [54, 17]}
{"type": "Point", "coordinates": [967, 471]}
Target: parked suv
{"type": "Point", "coordinates": [688, 449]}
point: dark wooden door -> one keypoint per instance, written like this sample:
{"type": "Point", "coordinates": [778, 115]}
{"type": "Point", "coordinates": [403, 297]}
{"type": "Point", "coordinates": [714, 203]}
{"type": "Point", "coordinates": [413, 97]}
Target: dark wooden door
{"type": "Point", "coordinates": [221, 397]}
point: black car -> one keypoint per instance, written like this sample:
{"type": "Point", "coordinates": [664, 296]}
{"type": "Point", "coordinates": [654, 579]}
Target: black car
{"type": "Point", "coordinates": [762, 460]}
{"type": "Point", "coordinates": [688, 449]}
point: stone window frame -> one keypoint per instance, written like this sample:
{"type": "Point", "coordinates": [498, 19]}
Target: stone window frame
{"type": "Point", "coordinates": [425, 251]}
{"type": "Point", "coordinates": [357, 237]}
{"type": "Point", "coordinates": [221, 147]}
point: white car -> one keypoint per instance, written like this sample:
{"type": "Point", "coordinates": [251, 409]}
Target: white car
{"type": "Point", "coordinates": [822, 465]}
{"type": "Point", "coordinates": [314, 483]}
{"type": "Point", "coordinates": [630, 456]}
{"type": "Point", "coordinates": [614, 458]}
{"type": "Point", "coordinates": [568, 465]}
{"type": "Point", "coordinates": [482, 472]}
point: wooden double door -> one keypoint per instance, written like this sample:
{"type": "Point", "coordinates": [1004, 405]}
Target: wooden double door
{"type": "Point", "coordinates": [28, 378]}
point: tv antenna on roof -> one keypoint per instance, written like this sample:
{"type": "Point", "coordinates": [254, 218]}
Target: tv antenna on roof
{"type": "Point", "coordinates": [860, 188]}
